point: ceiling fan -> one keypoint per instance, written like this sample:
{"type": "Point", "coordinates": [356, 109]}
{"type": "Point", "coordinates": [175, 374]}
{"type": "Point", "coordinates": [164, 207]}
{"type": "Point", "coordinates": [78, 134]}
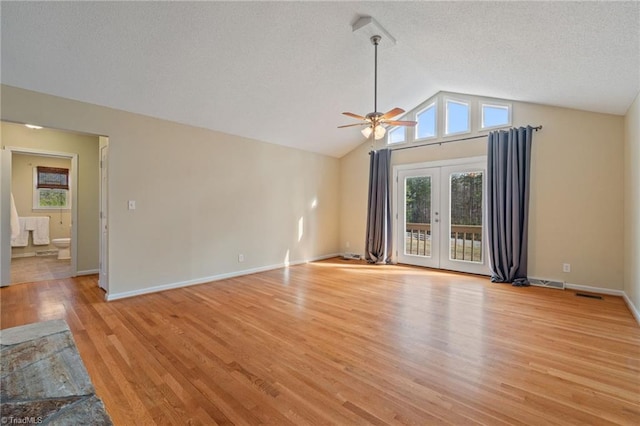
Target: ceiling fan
{"type": "Point", "coordinates": [375, 120]}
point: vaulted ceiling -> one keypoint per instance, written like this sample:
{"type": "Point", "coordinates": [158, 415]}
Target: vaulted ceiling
{"type": "Point", "coordinates": [282, 72]}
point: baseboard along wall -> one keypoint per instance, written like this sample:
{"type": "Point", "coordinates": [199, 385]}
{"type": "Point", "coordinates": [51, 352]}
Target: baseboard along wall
{"type": "Point", "coordinates": [204, 280]}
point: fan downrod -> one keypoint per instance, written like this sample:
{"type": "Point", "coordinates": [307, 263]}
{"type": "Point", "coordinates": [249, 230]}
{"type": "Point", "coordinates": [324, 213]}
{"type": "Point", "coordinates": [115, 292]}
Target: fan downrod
{"type": "Point", "coordinates": [377, 119]}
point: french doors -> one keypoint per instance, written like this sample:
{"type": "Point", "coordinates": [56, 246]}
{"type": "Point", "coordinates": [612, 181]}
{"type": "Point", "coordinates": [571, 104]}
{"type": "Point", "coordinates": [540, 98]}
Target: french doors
{"type": "Point", "coordinates": [440, 215]}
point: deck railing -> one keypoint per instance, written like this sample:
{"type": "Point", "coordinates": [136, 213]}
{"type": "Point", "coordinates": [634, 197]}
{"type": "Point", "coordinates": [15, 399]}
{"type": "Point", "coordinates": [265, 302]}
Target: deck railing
{"type": "Point", "coordinates": [418, 239]}
{"type": "Point", "coordinates": [466, 241]}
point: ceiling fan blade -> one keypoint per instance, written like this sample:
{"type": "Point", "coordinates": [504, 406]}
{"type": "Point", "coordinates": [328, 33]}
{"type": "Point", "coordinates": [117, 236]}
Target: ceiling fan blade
{"type": "Point", "coordinates": [350, 114]}
{"type": "Point", "coordinates": [400, 123]}
{"type": "Point", "coordinates": [351, 125]}
{"type": "Point", "coordinates": [392, 113]}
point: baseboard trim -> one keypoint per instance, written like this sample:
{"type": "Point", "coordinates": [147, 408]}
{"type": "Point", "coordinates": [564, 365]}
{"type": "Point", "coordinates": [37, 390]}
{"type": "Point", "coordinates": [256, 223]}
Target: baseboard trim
{"type": "Point", "coordinates": [632, 308]}
{"type": "Point", "coordinates": [20, 255]}
{"type": "Point", "coordinates": [612, 292]}
{"type": "Point", "coordinates": [590, 289]}
{"type": "Point", "coordinates": [88, 272]}
{"type": "Point", "coordinates": [123, 295]}
{"type": "Point", "coordinates": [204, 280]}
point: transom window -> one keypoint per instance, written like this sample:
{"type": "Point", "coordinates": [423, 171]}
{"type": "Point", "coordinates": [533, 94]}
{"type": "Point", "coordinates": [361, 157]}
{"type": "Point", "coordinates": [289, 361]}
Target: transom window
{"type": "Point", "coordinates": [396, 135]}
{"type": "Point", "coordinates": [449, 115]}
{"type": "Point", "coordinates": [456, 117]}
{"type": "Point", "coordinates": [494, 115]}
{"type": "Point", "coordinates": [426, 127]}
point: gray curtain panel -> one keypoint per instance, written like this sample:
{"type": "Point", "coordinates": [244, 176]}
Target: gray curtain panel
{"type": "Point", "coordinates": [508, 169]}
{"type": "Point", "coordinates": [378, 243]}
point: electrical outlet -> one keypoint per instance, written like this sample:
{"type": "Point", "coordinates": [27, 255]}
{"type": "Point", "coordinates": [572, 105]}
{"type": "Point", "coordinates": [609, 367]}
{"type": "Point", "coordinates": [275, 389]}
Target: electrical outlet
{"type": "Point", "coordinates": [241, 258]}
{"type": "Point", "coordinates": [566, 267]}
{"type": "Point", "coordinates": [132, 204]}
{"type": "Point", "coordinates": [347, 244]}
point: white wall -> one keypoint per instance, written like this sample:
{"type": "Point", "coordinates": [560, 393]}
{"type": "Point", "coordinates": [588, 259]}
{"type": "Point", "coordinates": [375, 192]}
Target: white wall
{"type": "Point", "coordinates": [202, 197]}
{"type": "Point", "coordinates": [632, 205]}
{"type": "Point", "coordinates": [576, 205]}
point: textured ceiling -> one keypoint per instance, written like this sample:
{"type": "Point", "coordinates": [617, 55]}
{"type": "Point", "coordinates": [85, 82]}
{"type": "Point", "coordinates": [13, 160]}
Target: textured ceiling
{"type": "Point", "coordinates": [282, 72]}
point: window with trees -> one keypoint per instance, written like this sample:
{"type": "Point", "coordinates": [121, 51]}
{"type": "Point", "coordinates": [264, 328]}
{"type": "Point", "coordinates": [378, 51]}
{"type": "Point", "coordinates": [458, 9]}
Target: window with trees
{"type": "Point", "coordinates": [418, 215]}
{"type": "Point", "coordinates": [51, 188]}
{"type": "Point", "coordinates": [466, 198]}
{"type": "Point", "coordinates": [466, 192]}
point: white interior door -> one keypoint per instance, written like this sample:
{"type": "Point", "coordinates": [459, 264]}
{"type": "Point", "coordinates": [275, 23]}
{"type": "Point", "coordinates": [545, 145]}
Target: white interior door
{"type": "Point", "coordinates": [441, 216]}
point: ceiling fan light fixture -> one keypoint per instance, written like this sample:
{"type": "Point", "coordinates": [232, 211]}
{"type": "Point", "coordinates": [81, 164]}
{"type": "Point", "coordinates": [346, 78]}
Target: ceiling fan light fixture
{"type": "Point", "coordinates": [379, 132]}
{"type": "Point", "coordinates": [375, 120]}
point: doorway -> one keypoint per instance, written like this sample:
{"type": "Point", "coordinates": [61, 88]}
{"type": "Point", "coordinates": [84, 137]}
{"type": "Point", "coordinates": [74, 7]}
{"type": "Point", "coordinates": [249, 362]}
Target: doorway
{"type": "Point", "coordinates": [88, 248]}
{"type": "Point", "coordinates": [440, 215]}
{"type": "Point", "coordinates": [45, 213]}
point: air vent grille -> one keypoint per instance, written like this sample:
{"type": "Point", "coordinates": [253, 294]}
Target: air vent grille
{"type": "Point", "coordinates": [539, 282]}
{"type": "Point", "coordinates": [590, 296]}
{"type": "Point", "coordinates": [352, 256]}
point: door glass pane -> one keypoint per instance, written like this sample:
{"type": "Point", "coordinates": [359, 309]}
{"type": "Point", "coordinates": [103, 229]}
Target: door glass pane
{"type": "Point", "coordinates": [418, 216]}
{"type": "Point", "coordinates": [465, 243]}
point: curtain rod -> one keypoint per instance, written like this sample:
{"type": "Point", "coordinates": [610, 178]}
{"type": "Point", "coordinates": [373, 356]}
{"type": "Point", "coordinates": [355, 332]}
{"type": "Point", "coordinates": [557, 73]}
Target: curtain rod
{"type": "Point", "coordinates": [454, 140]}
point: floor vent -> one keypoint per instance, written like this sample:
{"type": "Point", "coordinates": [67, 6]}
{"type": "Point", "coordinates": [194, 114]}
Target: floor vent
{"type": "Point", "coordinates": [351, 256]}
{"type": "Point", "coordinates": [538, 282]}
{"type": "Point", "coordinates": [590, 296]}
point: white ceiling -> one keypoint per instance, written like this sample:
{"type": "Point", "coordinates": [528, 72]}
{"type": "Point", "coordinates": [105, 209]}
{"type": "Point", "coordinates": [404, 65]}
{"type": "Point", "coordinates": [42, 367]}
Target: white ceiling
{"type": "Point", "coordinates": [282, 72]}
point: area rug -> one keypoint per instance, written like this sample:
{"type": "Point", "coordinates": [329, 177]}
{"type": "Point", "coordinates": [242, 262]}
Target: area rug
{"type": "Point", "coordinates": [43, 379]}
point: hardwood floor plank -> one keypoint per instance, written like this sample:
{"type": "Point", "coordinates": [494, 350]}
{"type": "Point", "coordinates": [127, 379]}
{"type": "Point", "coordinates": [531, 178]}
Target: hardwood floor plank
{"type": "Point", "coordinates": [343, 342]}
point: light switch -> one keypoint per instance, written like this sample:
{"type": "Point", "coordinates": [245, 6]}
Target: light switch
{"type": "Point", "coordinates": [132, 204]}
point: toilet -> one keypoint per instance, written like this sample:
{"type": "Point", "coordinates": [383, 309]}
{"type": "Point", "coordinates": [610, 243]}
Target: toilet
{"type": "Point", "coordinates": [64, 247]}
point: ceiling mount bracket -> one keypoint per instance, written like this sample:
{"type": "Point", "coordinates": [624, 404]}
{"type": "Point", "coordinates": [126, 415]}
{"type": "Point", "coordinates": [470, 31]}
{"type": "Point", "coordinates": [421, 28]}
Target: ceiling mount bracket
{"type": "Point", "coordinates": [366, 27]}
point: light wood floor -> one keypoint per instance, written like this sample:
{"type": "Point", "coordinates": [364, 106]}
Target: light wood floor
{"type": "Point", "coordinates": [339, 342]}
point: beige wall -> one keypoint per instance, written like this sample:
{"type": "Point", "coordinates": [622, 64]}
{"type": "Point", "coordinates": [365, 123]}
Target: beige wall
{"type": "Point", "coordinates": [22, 167]}
{"type": "Point", "coordinates": [203, 197]}
{"type": "Point", "coordinates": [86, 147]}
{"type": "Point", "coordinates": [632, 204]}
{"type": "Point", "coordinates": [576, 211]}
